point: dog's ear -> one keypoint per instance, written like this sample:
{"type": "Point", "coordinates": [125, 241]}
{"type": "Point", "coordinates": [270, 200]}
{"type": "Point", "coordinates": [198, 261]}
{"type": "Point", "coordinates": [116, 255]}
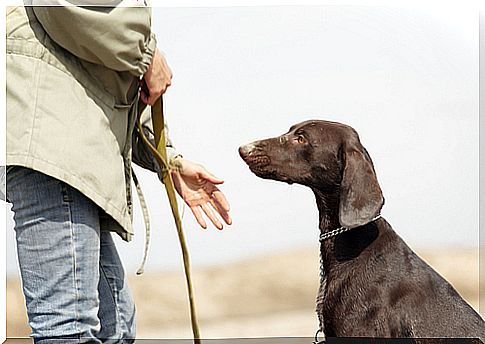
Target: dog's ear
{"type": "Point", "coordinates": [361, 197]}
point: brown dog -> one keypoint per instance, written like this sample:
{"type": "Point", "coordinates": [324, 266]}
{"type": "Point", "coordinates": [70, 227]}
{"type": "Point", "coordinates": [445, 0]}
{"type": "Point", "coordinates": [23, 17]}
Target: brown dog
{"type": "Point", "coordinates": [374, 285]}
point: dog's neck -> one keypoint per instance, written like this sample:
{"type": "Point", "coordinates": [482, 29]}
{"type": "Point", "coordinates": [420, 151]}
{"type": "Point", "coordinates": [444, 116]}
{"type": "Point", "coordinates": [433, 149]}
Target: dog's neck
{"type": "Point", "coordinates": [345, 246]}
{"type": "Point", "coordinates": [327, 204]}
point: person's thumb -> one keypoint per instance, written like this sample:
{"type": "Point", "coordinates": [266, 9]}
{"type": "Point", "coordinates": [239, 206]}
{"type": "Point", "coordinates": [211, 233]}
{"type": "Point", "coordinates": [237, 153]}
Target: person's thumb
{"type": "Point", "coordinates": [210, 177]}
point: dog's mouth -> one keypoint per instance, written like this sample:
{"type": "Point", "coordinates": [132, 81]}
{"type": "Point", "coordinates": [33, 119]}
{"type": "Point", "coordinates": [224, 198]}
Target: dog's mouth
{"type": "Point", "coordinates": [258, 164]}
{"type": "Point", "coordinates": [257, 161]}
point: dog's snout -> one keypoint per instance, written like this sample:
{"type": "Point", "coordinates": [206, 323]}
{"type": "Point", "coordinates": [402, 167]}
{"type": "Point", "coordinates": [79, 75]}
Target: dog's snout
{"type": "Point", "coordinates": [246, 150]}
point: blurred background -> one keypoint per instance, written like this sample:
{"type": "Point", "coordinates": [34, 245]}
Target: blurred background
{"type": "Point", "coordinates": [405, 78]}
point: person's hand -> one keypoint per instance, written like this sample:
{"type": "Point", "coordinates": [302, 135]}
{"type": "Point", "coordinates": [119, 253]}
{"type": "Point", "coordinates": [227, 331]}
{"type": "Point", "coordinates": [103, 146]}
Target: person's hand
{"type": "Point", "coordinates": [156, 80]}
{"type": "Point", "coordinates": [198, 189]}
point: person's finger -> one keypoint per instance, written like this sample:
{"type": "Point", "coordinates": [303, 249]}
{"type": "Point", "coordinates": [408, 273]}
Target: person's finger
{"type": "Point", "coordinates": [144, 97]}
{"type": "Point", "coordinates": [148, 96]}
{"type": "Point", "coordinates": [222, 212]}
{"type": "Point", "coordinates": [156, 93]}
{"type": "Point", "coordinates": [153, 96]}
{"type": "Point", "coordinates": [168, 82]}
{"type": "Point", "coordinates": [210, 214]}
{"type": "Point", "coordinates": [198, 216]}
{"type": "Point", "coordinates": [167, 70]}
{"type": "Point", "coordinates": [219, 197]}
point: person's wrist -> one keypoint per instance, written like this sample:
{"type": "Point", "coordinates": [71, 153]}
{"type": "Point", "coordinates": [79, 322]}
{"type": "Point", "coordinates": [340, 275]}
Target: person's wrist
{"type": "Point", "coordinates": [176, 162]}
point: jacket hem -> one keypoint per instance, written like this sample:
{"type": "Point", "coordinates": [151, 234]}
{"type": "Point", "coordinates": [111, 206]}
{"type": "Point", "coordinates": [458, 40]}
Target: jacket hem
{"type": "Point", "coordinates": [121, 223]}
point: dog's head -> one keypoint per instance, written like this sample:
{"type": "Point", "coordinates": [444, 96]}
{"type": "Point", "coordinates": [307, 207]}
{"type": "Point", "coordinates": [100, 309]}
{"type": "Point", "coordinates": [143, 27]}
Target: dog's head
{"type": "Point", "coordinates": [326, 156]}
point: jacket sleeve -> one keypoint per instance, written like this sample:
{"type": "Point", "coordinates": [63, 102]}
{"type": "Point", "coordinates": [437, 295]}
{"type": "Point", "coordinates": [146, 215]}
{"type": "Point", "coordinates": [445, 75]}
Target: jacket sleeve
{"type": "Point", "coordinates": [141, 155]}
{"type": "Point", "coordinates": [117, 37]}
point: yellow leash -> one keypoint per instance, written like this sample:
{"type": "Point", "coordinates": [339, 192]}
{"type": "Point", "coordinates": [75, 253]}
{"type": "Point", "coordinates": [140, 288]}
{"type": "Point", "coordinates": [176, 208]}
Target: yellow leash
{"type": "Point", "coordinates": [160, 154]}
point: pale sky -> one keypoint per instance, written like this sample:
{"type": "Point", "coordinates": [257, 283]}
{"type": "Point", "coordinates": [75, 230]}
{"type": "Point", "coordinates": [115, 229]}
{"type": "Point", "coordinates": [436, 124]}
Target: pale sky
{"type": "Point", "coordinates": [406, 79]}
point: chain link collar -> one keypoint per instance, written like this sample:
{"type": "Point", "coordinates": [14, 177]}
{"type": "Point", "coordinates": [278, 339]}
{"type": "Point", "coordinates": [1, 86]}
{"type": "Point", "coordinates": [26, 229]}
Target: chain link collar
{"type": "Point", "coordinates": [340, 230]}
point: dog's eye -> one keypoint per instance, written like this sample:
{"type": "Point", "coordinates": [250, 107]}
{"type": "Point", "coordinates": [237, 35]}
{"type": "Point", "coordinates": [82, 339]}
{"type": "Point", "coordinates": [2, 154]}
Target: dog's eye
{"type": "Point", "coordinates": [301, 139]}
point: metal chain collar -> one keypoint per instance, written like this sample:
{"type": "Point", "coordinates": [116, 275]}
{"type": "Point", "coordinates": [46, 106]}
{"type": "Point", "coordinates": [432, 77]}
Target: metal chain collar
{"type": "Point", "coordinates": [340, 230]}
{"type": "Point", "coordinates": [335, 232]}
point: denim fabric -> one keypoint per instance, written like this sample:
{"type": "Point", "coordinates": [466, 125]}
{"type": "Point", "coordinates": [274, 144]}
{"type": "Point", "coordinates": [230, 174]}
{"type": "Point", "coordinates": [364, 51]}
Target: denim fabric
{"type": "Point", "coordinates": [73, 280]}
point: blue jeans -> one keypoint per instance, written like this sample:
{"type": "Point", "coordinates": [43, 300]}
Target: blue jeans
{"type": "Point", "coordinates": [73, 280]}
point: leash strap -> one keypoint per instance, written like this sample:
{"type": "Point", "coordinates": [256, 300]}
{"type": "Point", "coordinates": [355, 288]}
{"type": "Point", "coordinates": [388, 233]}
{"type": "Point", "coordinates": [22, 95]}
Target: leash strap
{"type": "Point", "coordinates": [160, 154]}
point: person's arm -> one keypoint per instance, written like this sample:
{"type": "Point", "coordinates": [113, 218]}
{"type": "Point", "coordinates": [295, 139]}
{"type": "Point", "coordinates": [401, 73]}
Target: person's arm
{"type": "Point", "coordinates": [119, 37]}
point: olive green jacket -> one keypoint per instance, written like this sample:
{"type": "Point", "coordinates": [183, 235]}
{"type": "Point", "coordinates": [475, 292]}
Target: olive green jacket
{"type": "Point", "coordinates": [72, 92]}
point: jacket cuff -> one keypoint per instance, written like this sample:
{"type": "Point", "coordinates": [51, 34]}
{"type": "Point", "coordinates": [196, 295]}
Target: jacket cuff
{"type": "Point", "coordinates": [147, 56]}
{"type": "Point", "coordinates": [172, 154]}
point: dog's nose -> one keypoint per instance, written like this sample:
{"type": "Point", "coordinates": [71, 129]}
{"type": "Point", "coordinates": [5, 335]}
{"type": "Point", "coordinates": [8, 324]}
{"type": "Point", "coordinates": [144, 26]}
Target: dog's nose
{"type": "Point", "coordinates": [245, 151]}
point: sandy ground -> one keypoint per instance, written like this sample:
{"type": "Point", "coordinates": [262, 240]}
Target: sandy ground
{"type": "Point", "coordinates": [262, 297]}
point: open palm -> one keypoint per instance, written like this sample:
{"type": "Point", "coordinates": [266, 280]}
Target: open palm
{"type": "Point", "coordinates": [198, 189]}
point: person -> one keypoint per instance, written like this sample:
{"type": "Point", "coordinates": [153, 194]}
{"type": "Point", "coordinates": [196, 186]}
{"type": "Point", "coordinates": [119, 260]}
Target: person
{"type": "Point", "coordinates": [73, 83]}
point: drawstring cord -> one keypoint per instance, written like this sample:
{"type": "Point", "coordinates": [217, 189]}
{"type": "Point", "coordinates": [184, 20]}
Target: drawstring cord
{"type": "Point", "coordinates": [146, 220]}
